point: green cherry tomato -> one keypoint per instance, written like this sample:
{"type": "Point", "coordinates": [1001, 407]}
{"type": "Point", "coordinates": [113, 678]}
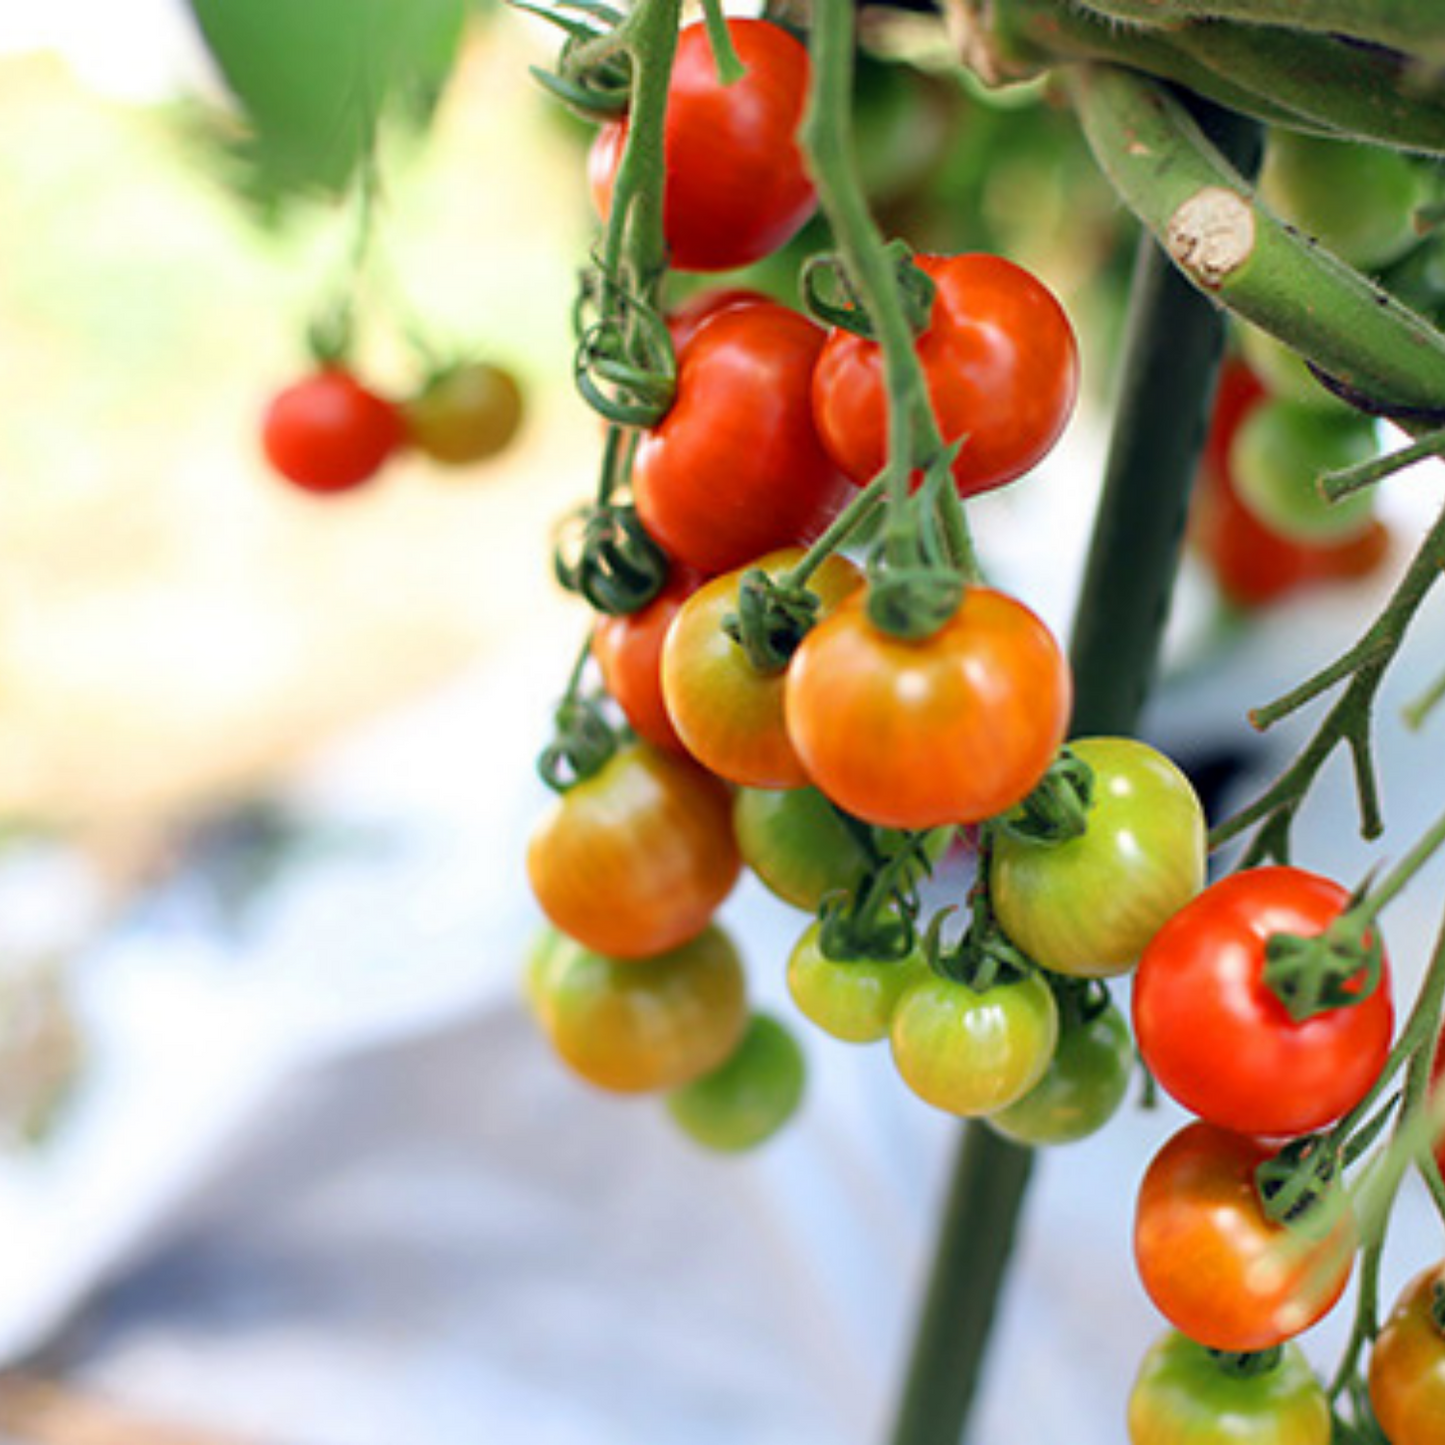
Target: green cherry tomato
{"type": "Point", "coordinates": [1277, 458]}
{"type": "Point", "coordinates": [802, 848]}
{"type": "Point", "coordinates": [1088, 907]}
{"type": "Point", "coordinates": [972, 1053]}
{"type": "Point", "coordinates": [1084, 1084]}
{"type": "Point", "coordinates": [466, 414]}
{"type": "Point", "coordinates": [1407, 1366]}
{"type": "Point", "coordinates": [1357, 200]}
{"type": "Point", "coordinates": [749, 1097]}
{"type": "Point", "coordinates": [854, 999]}
{"type": "Point", "coordinates": [1183, 1397]}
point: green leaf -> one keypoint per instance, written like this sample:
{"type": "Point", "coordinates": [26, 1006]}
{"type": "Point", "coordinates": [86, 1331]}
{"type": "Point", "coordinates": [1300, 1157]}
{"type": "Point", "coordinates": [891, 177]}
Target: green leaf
{"type": "Point", "coordinates": [315, 78]}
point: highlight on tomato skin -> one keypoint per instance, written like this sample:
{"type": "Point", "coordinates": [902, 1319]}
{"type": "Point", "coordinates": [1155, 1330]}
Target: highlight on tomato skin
{"type": "Point", "coordinates": [1211, 1260]}
{"type": "Point", "coordinates": [636, 859]}
{"type": "Point", "coordinates": [956, 727]}
{"type": "Point", "coordinates": [1217, 1039]}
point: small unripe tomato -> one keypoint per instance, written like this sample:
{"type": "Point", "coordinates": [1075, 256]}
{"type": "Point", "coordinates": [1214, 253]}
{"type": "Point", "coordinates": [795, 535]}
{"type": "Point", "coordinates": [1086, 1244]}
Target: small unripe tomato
{"type": "Point", "coordinates": [465, 414]}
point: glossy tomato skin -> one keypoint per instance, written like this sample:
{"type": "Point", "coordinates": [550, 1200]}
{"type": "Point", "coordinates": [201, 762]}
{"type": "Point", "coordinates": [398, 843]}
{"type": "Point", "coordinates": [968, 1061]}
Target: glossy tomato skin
{"type": "Point", "coordinates": [685, 319]}
{"type": "Point", "coordinates": [328, 433]}
{"type": "Point", "coordinates": [735, 469]}
{"type": "Point", "coordinates": [1407, 1366]}
{"type": "Point", "coordinates": [854, 999]}
{"type": "Point", "coordinates": [1218, 1040]}
{"type": "Point", "coordinates": [749, 1096]}
{"type": "Point", "coordinates": [952, 728]}
{"type": "Point", "coordinates": [636, 859]}
{"type": "Point", "coordinates": [1087, 907]}
{"type": "Point", "coordinates": [465, 415]}
{"type": "Point", "coordinates": [728, 715]}
{"type": "Point", "coordinates": [1215, 1266]}
{"type": "Point", "coordinates": [1182, 1397]}
{"type": "Point", "coordinates": [969, 1053]}
{"type": "Point", "coordinates": [1081, 1089]}
{"type": "Point", "coordinates": [1002, 368]}
{"type": "Point", "coordinates": [628, 649]}
{"type": "Point", "coordinates": [735, 185]}
{"type": "Point", "coordinates": [642, 1025]}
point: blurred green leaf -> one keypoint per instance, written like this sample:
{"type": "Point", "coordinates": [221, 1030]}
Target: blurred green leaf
{"type": "Point", "coordinates": [315, 78]}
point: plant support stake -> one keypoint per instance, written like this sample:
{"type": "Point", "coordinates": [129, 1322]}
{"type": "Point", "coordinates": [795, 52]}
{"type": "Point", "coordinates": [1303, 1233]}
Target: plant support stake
{"type": "Point", "coordinates": [1170, 368]}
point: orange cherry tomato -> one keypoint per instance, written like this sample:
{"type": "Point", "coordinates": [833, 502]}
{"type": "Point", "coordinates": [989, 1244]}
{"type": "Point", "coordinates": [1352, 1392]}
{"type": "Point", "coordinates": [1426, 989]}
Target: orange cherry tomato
{"type": "Point", "coordinates": [1407, 1366]}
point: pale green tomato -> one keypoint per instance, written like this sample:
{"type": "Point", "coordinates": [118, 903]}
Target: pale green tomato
{"type": "Point", "coordinates": [852, 1000]}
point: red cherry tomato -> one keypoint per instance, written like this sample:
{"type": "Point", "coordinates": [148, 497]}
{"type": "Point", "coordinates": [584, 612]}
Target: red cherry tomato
{"type": "Point", "coordinates": [735, 185]}
{"type": "Point", "coordinates": [952, 728]}
{"type": "Point", "coordinates": [637, 858]}
{"type": "Point", "coordinates": [328, 433]}
{"type": "Point", "coordinates": [1215, 1265]}
{"type": "Point", "coordinates": [1216, 1037]}
{"type": "Point", "coordinates": [735, 468]}
{"type": "Point", "coordinates": [628, 649]}
{"type": "Point", "coordinates": [1002, 367]}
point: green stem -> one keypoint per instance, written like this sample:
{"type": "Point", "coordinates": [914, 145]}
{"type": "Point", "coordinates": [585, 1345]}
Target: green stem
{"type": "Point", "coordinates": [724, 54]}
{"type": "Point", "coordinates": [839, 530]}
{"type": "Point", "coordinates": [1367, 1317]}
{"type": "Point", "coordinates": [826, 136]}
{"type": "Point", "coordinates": [1411, 25]}
{"type": "Point", "coordinates": [1155, 453]}
{"type": "Point", "coordinates": [1234, 250]}
{"type": "Point", "coordinates": [1399, 876]}
{"type": "Point", "coordinates": [1425, 704]}
{"type": "Point", "coordinates": [1347, 480]}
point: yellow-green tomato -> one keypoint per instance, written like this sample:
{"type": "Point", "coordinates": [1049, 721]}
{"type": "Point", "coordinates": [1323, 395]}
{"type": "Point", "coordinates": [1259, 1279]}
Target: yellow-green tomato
{"type": "Point", "coordinates": [1083, 1086]}
{"type": "Point", "coordinates": [1089, 906]}
{"type": "Point", "coordinates": [635, 1025]}
{"type": "Point", "coordinates": [749, 1097]}
{"type": "Point", "coordinates": [852, 999]}
{"type": "Point", "coordinates": [1182, 1396]}
{"type": "Point", "coordinates": [972, 1053]}
{"type": "Point", "coordinates": [465, 414]}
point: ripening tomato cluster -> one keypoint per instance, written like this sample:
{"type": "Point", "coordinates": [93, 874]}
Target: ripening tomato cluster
{"type": "Point", "coordinates": [328, 433]}
{"type": "Point", "coordinates": [1258, 522]}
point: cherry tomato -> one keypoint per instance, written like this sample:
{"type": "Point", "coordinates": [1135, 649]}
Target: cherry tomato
{"type": "Point", "coordinates": [1001, 364]}
{"type": "Point", "coordinates": [466, 414]}
{"type": "Point", "coordinates": [974, 1053]}
{"type": "Point", "coordinates": [637, 858]}
{"type": "Point", "coordinates": [1088, 906]}
{"type": "Point", "coordinates": [1279, 453]}
{"type": "Point", "coordinates": [1407, 1366]}
{"type": "Point", "coordinates": [638, 1025]}
{"type": "Point", "coordinates": [1214, 1264]}
{"type": "Point", "coordinates": [628, 649]}
{"type": "Point", "coordinates": [728, 715]}
{"type": "Point", "coordinates": [685, 319]}
{"type": "Point", "coordinates": [1081, 1089]}
{"type": "Point", "coordinates": [852, 999]}
{"type": "Point", "coordinates": [1216, 1037]}
{"type": "Point", "coordinates": [735, 468]}
{"type": "Point", "coordinates": [749, 1096]}
{"type": "Point", "coordinates": [1183, 1397]}
{"type": "Point", "coordinates": [802, 848]}
{"type": "Point", "coordinates": [952, 728]}
{"type": "Point", "coordinates": [735, 186]}
{"type": "Point", "coordinates": [328, 433]}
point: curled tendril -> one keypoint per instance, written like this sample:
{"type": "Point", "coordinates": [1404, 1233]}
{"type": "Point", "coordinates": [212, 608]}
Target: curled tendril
{"type": "Point", "coordinates": [848, 933]}
{"type": "Point", "coordinates": [624, 366]}
{"type": "Point", "coordinates": [771, 620]}
{"type": "Point", "coordinates": [596, 87]}
{"type": "Point", "coordinates": [604, 553]}
{"type": "Point", "coordinates": [982, 959]}
{"type": "Point", "coordinates": [830, 295]}
{"type": "Point", "coordinates": [582, 743]}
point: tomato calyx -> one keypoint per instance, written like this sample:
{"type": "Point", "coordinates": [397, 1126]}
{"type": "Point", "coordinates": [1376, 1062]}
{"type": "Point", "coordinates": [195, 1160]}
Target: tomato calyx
{"type": "Point", "coordinates": [1312, 975]}
{"type": "Point", "coordinates": [604, 554]}
{"type": "Point", "coordinates": [1249, 1364]}
{"type": "Point", "coordinates": [1057, 810]}
{"type": "Point", "coordinates": [331, 335]}
{"type": "Point", "coordinates": [624, 366]}
{"type": "Point", "coordinates": [878, 921]}
{"type": "Point", "coordinates": [1080, 1000]}
{"type": "Point", "coordinates": [772, 618]}
{"type": "Point", "coordinates": [595, 85]}
{"type": "Point", "coordinates": [830, 295]}
{"type": "Point", "coordinates": [1300, 1186]}
{"type": "Point", "coordinates": [582, 743]}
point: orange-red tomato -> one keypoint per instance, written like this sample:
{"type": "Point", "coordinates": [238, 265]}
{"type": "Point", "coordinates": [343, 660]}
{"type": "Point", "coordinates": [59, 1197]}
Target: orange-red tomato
{"type": "Point", "coordinates": [952, 728]}
{"type": "Point", "coordinates": [638, 1025]}
{"type": "Point", "coordinates": [637, 858]}
{"type": "Point", "coordinates": [1407, 1366]}
{"type": "Point", "coordinates": [628, 649]}
{"type": "Point", "coordinates": [1215, 1265]}
{"type": "Point", "coordinates": [1002, 368]}
{"type": "Point", "coordinates": [729, 716]}
{"type": "Point", "coordinates": [328, 433]}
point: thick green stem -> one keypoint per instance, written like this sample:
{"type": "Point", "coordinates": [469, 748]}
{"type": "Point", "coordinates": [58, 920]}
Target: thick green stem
{"type": "Point", "coordinates": [1234, 250]}
{"type": "Point", "coordinates": [1153, 459]}
{"type": "Point", "coordinates": [1415, 26]}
